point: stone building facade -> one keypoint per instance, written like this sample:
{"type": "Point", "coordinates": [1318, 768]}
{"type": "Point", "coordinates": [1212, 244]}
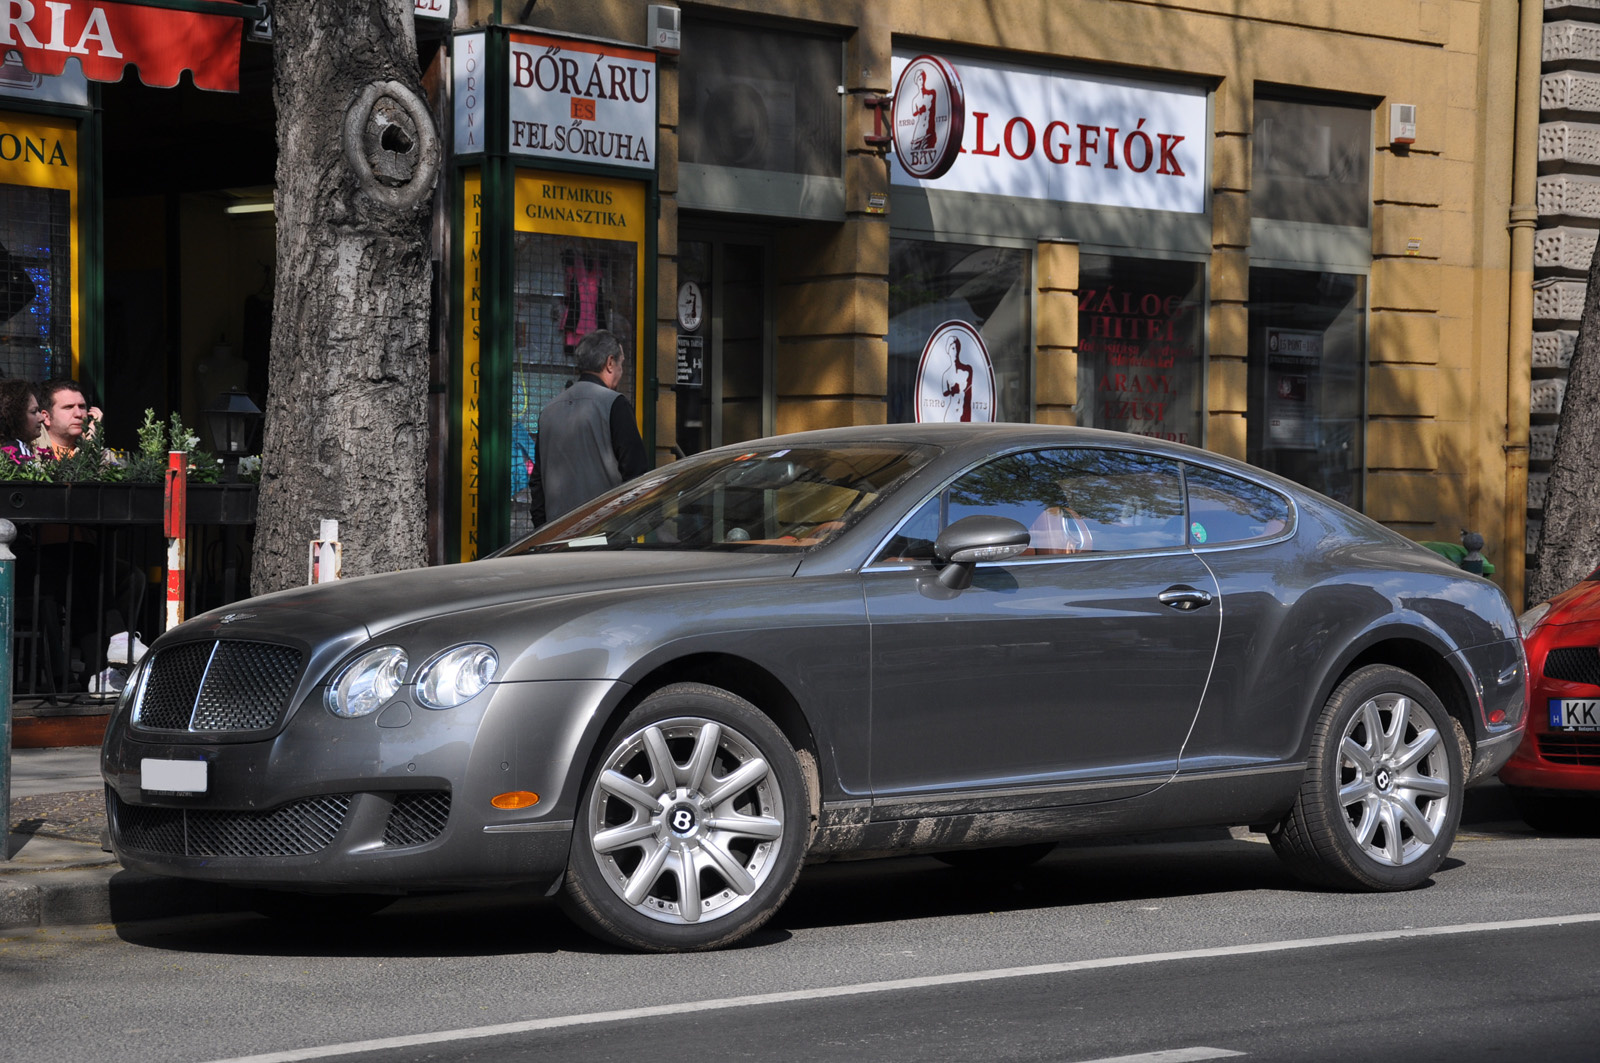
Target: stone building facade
{"type": "Point", "coordinates": [1338, 300]}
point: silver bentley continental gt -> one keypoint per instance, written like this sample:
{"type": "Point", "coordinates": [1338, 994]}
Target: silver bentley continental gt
{"type": "Point", "coordinates": [968, 641]}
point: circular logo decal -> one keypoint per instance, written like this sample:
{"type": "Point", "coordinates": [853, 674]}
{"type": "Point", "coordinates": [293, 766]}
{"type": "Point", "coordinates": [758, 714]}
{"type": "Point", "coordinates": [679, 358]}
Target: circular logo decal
{"type": "Point", "coordinates": [1197, 532]}
{"type": "Point", "coordinates": [955, 378]}
{"type": "Point", "coordinates": [929, 112]}
{"type": "Point", "coordinates": [691, 306]}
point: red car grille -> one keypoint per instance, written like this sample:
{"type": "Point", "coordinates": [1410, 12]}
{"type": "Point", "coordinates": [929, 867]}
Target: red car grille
{"type": "Point", "coordinates": [1582, 750]}
{"type": "Point", "coordinates": [1574, 664]}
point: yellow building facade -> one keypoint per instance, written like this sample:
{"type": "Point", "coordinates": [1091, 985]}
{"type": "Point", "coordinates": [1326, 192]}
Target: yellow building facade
{"type": "Point", "coordinates": [1291, 231]}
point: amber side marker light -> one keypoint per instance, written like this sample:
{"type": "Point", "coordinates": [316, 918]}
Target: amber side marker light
{"type": "Point", "coordinates": [515, 799]}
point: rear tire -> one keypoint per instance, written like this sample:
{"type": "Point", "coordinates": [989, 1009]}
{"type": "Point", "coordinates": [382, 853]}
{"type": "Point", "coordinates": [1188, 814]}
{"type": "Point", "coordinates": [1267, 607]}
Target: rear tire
{"type": "Point", "coordinates": [1383, 787]}
{"type": "Point", "coordinates": [692, 827]}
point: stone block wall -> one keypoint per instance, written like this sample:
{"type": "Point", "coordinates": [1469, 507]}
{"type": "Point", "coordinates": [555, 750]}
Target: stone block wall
{"type": "Point", "coordinates": [1569, 222]}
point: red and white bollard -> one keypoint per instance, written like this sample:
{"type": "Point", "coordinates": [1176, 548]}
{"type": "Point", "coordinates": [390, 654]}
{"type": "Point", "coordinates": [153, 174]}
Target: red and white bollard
{"type": "Point", "coordinates": [177, 530]}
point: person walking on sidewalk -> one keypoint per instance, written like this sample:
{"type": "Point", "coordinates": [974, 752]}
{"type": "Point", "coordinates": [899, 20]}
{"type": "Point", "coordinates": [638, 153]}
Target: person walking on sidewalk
{"type": "Point", "coordinates": [587, 441]}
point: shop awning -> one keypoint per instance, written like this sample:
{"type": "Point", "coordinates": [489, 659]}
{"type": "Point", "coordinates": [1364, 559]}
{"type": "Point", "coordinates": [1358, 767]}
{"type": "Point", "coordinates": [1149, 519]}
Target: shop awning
{"type": "Point", "coordinates": [163, 38]}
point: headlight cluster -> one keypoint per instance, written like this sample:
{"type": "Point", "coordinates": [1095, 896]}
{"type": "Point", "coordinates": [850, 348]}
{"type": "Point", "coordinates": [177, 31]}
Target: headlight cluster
{"type": "Point", "coordinates": [1530, 620]}
{"type": "Point", "coordinates": [445, 681]}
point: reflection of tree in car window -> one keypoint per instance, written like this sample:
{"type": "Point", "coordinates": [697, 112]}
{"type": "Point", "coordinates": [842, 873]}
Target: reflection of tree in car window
{"type": "Point", "coordinates": [1230, 509]}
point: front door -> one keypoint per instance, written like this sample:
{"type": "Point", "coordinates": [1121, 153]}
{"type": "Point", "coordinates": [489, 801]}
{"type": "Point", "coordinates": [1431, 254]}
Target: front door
{"type": "Point", "coordinates": [1072, 673]}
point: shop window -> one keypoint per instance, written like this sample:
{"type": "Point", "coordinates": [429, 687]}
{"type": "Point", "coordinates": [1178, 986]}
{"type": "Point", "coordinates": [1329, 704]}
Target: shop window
{"type": "Point", "coordinates": [565, 287]}
{"type": "Point", "coordinates": [755, 99]}
{"type": "Point", "coordinates": [1307, 378]}
{"type": "Point", "coordinates": [1312, 162]}
{"type": "Point", "coordinates": [35, 282]}
{"type": "Point", "coordinates": [1141, 346]}
{"type": "Point", "coordinates": [986, 287]}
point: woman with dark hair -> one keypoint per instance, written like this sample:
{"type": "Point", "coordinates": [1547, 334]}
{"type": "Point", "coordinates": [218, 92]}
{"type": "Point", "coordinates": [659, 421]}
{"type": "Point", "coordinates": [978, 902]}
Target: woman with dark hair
{"type": "Point", "coordinates": [20, 418]}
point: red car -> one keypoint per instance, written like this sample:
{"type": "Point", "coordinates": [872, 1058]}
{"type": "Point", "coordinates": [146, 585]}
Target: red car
{"type": "Point", "coordinates": [1554, 776]}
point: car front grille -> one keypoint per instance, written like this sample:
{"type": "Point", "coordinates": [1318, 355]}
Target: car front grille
{"type": "Point", "coordinates": [1574, 664]}
{"type": "Point", "coordinates": [298, 828]}
{"type": "Point", "coordinates": [220, 686]}
{"type": "Point", "coordinates": [1582, 750]}
{"type": "Point", "coordinates": [417, 817]}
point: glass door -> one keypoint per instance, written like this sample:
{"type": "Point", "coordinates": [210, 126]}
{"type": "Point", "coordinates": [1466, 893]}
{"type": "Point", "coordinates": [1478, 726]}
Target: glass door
{"type": "Point", "coordinates": [723, 383]}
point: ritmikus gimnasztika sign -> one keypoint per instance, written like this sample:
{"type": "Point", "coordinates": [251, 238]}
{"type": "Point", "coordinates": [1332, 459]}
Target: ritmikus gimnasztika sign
{"type": "Point", "coordinates": [576, 100]}
{"type": "Point", "coordinates": [1039, 134]}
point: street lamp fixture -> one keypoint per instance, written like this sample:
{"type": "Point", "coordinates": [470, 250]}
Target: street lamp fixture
{"type": "Point", "coordinates": [233, 419]}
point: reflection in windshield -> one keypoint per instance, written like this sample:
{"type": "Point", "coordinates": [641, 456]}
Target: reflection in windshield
{"type": "Point", "coordinates": [786, 498]}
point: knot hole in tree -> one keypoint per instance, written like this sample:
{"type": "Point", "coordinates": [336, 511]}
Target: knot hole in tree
{"type": "Point", "coordinates": [390, 143]}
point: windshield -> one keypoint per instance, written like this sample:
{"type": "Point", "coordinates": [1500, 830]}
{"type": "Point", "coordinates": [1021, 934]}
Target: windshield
{"type": "Point", "coordinates": [781, 499]}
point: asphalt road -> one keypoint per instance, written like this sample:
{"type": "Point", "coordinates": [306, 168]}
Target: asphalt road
{"type": "Point", "coordinates": [1194, 950]}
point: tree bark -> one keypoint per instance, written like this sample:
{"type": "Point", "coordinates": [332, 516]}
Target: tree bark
{"type": "Point", "coordinates": [346, 420]}
{"type": "Point", "coordinates": [1569, 546]}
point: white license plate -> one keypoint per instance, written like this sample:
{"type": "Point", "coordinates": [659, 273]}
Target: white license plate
{"type": "Point", "coordinates": [1575, 714]}
{"type": "Point", "coordinates": [173, 776]}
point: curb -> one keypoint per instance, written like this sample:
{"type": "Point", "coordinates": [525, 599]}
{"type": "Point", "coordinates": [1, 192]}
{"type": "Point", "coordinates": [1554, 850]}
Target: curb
{"type": "Point", "coordinates": [110, 894]}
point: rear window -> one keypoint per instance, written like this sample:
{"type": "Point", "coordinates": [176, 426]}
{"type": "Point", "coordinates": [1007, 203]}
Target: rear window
{"type": "Point", "coordinates": [1231, 509]}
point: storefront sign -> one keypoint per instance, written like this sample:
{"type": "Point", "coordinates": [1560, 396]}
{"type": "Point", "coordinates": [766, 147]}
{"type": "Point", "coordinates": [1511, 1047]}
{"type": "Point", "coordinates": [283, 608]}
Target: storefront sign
{"type": "Point", "coordinates": [432, 9]}
{"type": "Point", "coordinates": [104, 36]}
{"type": "Point", "coordinates": [1139, 336]}
{"type": "Point", "coordinates": [1037, 134]}
{"type": "Point", "coordinates": [955, 377]}
{"type": "Point", "coordinates": [582, 102]}
{"type": "Point", "coordinates": [929, 115]}
{"type": "Point", "coordinates": [471, 358]}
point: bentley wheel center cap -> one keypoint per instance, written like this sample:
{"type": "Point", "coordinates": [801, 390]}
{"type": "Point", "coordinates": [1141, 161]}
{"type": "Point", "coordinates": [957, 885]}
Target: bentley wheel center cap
{"type": "Point", "coordinates": [1383, 779]}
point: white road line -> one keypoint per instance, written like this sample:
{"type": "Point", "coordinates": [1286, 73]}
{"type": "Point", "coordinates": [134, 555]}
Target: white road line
{"type": "Point", "coordinates": [1171, 1055]}
{"type": "Point", "coordinates": [298, 1055]}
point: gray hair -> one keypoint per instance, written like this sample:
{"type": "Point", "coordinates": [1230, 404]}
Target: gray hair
{"type": "Point", "coordinates": [595, 349]}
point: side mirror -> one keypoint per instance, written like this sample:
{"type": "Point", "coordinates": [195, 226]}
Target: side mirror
{"type": "Point", "coordinates": [982, 537]}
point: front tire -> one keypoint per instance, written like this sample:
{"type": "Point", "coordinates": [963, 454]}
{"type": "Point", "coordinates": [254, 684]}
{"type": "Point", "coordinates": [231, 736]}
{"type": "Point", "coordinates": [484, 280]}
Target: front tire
{"type": "Point", "coordinates": [693, 824]}
{"type": "Point", "coordinates": [1383, 789]}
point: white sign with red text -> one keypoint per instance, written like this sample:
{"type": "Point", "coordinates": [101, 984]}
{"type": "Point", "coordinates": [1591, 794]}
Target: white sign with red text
{"type": "Point", "coordinates": [582, 101]}
{"type": "Point", "coordinates": [1076, 138]}
{"type": "Point", "coordinates": [431, 9]}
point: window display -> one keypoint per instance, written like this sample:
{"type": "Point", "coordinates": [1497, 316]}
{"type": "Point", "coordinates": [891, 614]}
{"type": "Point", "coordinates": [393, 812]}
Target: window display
{"type": "Point", "coordinates": [985, 290]}
{"type": "Point", "coordinates": [1141, 338]}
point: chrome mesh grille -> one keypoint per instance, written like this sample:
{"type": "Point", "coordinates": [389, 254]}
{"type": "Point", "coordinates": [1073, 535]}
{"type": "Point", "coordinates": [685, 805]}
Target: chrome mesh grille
{"type": "Point", "coordinates": [167, 701]}
{"type": "Point", "coordinates": [417, 817]}
{"type": "Point", "coordinates": [1574, 664]}
{"type": "Point", "coordinates": [218, 686]}
{"type": "Point", "coordinates": [298, 828]}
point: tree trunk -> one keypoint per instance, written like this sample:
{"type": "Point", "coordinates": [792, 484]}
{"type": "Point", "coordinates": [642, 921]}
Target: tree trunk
{"type": "Point", "coordinates": [1569, 546]}
{"type": "Point", "coordinates": [346, 419]}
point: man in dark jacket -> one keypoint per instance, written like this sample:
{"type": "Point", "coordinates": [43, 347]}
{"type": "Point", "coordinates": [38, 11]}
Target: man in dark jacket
{"type": "Point", "coordinates": [587, 441]}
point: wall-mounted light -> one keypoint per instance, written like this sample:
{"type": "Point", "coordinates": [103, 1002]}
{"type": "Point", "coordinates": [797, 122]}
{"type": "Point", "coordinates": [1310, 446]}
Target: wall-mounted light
{"type": "Point", "coordinates": [249, 207]}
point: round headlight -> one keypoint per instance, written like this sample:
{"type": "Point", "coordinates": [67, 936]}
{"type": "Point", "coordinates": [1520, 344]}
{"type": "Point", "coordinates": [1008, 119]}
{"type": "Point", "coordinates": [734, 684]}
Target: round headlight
{"type": "Point", "coordinates": [369, 681]}
{"type": "Point", "coordinates": [456, 675]}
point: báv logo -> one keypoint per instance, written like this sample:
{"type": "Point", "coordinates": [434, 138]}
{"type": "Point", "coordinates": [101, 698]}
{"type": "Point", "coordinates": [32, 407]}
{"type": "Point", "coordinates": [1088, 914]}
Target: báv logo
{"type": "Point", "coordinates": [929, 113]}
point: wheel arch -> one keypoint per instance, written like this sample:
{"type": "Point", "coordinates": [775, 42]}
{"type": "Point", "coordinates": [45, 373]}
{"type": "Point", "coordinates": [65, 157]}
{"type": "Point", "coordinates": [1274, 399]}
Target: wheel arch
{"type": "Point", "coordinates": [1430, 665]}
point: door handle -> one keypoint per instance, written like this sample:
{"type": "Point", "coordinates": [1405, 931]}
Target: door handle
{"type": "Point", "coordinates": [1184, 597]}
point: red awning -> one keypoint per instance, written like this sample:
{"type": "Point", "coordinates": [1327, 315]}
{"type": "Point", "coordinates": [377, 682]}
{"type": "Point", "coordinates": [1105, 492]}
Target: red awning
{"type": "Point", "coordinates": [107, 35]}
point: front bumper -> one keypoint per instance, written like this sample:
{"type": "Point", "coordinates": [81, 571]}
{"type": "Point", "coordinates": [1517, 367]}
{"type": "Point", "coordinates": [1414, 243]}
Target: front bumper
{"type": "Point", "coordinates": [328, 804]}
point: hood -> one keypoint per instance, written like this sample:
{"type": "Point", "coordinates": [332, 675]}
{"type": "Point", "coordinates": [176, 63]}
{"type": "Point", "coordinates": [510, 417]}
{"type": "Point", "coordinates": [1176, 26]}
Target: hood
{"type": "Point", "coordinates": [364, 607]}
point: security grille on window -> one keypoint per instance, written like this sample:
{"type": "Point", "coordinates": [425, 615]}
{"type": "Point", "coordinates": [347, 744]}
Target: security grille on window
{"type": "Point", "coordinates": [35, 283]}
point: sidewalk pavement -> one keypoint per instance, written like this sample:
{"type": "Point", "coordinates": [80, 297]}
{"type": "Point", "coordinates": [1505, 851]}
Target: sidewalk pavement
{"type": "Point", "coordinates": [59, 874]}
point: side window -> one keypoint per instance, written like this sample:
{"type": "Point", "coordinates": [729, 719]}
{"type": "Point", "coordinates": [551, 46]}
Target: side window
{"type": "Point", "coordinates": [1230, 509]}
{"type": "Point", "coordinates": [1070, 500]}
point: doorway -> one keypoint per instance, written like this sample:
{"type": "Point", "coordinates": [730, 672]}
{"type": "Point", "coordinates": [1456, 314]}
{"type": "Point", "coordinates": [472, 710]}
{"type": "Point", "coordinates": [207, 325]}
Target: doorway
{"type": "Point", "coordinates": [724, 379]}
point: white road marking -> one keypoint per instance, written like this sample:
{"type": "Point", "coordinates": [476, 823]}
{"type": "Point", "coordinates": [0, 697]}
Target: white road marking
{"type": "Point", "coordinates": [594, 1018]}
{"type": "Point", "coordinates": [1171, 1055]}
